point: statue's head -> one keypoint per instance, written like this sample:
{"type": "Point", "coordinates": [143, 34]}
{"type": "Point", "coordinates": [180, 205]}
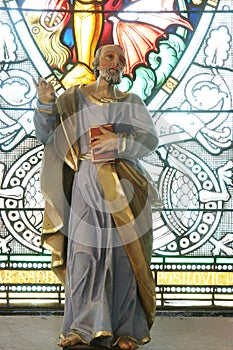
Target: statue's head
{"type": "Point", "coordinates": [109, 62]}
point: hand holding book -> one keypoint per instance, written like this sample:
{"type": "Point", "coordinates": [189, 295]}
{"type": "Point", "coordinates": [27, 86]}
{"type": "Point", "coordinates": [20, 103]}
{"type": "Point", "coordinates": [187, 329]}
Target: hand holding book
{"type": "Point", "coordinates": [103, 142]}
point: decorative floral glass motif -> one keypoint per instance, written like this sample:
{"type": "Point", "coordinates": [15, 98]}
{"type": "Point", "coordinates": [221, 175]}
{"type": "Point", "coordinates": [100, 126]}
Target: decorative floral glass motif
{"type": "Point", "coordinates": [179, 60]}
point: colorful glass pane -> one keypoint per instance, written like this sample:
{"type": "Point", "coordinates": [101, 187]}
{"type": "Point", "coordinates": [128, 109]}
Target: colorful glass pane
{"type": "Point", "coordinates": [179, 60]}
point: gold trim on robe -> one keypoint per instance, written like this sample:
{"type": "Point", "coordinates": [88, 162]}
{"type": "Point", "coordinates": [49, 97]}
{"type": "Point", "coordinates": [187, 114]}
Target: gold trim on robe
{"type": "Point", "coordinates": [60, 162]}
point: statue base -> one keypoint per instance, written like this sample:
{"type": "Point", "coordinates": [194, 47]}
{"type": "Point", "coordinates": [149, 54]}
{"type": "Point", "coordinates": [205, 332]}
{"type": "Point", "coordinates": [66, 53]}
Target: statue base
{"type": "Point", "coordinates": [86, 347]}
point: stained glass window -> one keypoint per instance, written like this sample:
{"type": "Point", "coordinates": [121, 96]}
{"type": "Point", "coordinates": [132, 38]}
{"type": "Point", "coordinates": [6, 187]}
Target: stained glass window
{"type": "Point", "coordinates": [180, 61]}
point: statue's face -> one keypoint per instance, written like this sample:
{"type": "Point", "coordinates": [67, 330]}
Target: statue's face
{"type": "Point", "coordinates": [111, 63]}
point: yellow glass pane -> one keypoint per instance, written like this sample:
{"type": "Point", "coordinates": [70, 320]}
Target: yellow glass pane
{"type": "Point", "coordinates": [228, 303]}
{"type": "Point", "coordinates": [195, 278]}
{"type": "Point", "coordinates": [188, 296]}
{"type": "Point", "coordinates": [33, 301]}
{"type": "Point", "coordinates": [186, 303]}
{"type": "Point", "coordinates": [28, 276]}
{"type": "Point", "coordinates": [223, 296]}
{"type": "Point", "coordinates": [33, 295]}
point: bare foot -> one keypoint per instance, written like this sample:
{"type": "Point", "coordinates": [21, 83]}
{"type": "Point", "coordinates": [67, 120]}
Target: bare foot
{"type": "Point", "coordinates": [127, 344]}
{"type": "Point", "coordinates": [71, 339]}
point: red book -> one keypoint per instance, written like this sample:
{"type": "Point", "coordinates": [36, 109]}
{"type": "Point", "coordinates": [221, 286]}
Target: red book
{"type": "Point", "coordinates": [106, 156]}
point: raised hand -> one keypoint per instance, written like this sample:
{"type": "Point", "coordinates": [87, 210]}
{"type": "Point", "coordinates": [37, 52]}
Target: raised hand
{"type": "Point", "coordinates": [45, 91]}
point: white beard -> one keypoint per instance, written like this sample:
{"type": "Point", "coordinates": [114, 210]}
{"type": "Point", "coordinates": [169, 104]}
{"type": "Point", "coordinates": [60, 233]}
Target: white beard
{"type": "Point", "coordinates": [111, 77]}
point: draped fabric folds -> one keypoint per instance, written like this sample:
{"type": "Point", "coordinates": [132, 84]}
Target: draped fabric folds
{"type": "Point", "coordinates": [61, 161]}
